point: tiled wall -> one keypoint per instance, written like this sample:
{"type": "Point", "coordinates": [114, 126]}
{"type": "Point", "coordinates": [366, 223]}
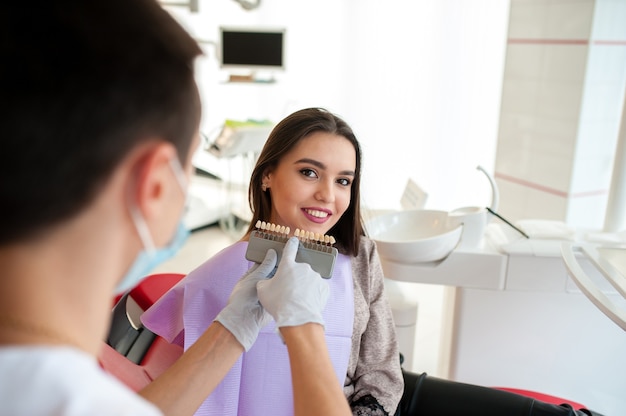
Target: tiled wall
{"type": "Point", "coordinates": [563, 88]}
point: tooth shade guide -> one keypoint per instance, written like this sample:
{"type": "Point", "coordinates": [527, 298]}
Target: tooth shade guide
{"type": "Point", "coordinates": [308, 238]}
{"type": "Point", "coordinates": [314, 249]}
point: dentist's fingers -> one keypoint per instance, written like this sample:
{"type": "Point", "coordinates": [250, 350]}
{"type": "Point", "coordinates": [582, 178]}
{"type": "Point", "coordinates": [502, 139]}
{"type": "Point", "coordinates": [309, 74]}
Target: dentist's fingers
{"type": "Point", "coordinates": [269, 263]}
{"type": "Point", "coordinates": [291, 249]}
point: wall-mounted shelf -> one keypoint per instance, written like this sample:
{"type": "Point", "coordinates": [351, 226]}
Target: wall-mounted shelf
{"type": "Point", "coordinates": [248, 79]}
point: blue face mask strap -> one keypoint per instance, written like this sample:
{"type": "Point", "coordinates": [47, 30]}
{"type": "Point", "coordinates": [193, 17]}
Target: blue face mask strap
{"type": "Point", "coordinates": [142, 229]}
{"type": "Point", "coordinates": [179, 173]}
{"type": "Point", "coordinates": [181, 177]}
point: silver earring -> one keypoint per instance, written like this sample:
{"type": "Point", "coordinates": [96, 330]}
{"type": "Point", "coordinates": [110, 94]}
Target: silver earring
{"type": "Point", "coordinates": [264, 187]}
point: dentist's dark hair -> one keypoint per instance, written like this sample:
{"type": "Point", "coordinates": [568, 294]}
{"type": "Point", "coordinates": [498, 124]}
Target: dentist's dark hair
{"type": "Point", "coordinates": [82, 83]}
{"type": "Point", "coordinates": [285, 135]}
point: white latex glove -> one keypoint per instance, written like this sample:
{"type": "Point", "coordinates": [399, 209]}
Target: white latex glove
{"type": "Point", "coordinates": [296, 294]}
{"type": "Point", "coordinates": [244, 316]}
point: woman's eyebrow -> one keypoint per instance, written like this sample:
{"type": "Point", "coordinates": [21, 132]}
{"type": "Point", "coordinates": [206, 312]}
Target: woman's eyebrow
{"type": "Point", "coordinates": [322, 166]}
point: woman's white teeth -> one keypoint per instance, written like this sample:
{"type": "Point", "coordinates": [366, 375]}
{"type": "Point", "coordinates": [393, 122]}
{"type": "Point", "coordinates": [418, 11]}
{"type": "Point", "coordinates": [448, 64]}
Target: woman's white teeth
{"type": "Point", "coordinates": [316, 213]}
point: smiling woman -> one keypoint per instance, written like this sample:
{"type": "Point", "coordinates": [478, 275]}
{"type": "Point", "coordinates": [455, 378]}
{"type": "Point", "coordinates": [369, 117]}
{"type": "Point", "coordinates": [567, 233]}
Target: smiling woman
{"type": "Point", "coordinates": [307, 177]}
{"type": "Point", "coordinates": [335, 158]}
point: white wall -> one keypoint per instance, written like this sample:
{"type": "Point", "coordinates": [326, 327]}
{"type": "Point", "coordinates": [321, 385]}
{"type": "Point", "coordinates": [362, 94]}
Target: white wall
{"type": "Point", "coordinates": [425, 97]}
{"type": "Point", "coordinates": [419, 81]}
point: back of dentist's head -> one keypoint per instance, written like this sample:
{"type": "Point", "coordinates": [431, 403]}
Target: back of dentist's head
{"type": "Point", "coordinates": [82, 83]}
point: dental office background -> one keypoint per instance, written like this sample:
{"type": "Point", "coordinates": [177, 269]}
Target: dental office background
{"type": "Point", "coordinates": [532, 90]}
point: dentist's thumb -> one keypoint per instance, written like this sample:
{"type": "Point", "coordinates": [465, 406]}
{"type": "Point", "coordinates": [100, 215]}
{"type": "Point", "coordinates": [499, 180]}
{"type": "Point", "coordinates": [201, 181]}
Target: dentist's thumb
{"type": "Point", "coordinates": [291, 249]}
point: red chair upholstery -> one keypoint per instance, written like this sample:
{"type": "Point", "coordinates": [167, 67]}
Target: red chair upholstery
{"type": "Point", "coordinates": [543, 397]}
{"type": "Point", "coordinates": [153, 287]}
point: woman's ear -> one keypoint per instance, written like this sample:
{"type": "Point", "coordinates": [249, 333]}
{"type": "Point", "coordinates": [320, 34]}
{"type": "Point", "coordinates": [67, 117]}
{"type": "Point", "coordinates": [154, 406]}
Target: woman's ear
{"type": "Point", "coordinates": [266, 178]}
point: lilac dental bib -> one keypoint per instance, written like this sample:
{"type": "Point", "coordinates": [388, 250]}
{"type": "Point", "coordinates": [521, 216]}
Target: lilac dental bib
{"type": "Point", "coordinates": [259, 384]}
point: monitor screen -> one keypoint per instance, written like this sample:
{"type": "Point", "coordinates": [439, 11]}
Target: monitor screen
{"type": "Point", "coordinates": [252, 48]}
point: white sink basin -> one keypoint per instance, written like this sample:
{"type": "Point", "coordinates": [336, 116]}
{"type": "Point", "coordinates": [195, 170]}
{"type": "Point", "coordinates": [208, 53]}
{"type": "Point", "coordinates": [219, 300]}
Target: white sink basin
{"type": "Point", "coordinates": [414, 236]}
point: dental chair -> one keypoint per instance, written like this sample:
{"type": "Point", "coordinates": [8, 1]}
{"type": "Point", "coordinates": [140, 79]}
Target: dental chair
{"type": "Point", "coordinates": [132, 353]}
{"type": "Point", "coordinates": [136, 356]}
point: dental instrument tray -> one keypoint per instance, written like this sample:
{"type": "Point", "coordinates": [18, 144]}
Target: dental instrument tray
{"type": "Point", "coordinates": [314, 249]}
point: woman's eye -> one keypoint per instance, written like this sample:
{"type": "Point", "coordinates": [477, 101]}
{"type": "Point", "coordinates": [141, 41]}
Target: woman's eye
{"type": "Point", "coordinates": [310, 173]}
{"type": "Point", "coordinates": [344, 181]}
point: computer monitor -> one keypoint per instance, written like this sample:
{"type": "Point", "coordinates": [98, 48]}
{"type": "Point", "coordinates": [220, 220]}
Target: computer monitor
{"type": "Point", "coordinates": [252, 48]}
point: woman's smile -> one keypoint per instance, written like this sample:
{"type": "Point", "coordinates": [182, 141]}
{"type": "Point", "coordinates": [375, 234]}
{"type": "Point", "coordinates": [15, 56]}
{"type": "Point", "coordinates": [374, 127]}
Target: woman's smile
{"type": "Point", "coordinates": [317, 215]}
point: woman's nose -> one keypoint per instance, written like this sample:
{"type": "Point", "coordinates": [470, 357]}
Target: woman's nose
{"type": "Point", "coordinates": [325, 192]}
